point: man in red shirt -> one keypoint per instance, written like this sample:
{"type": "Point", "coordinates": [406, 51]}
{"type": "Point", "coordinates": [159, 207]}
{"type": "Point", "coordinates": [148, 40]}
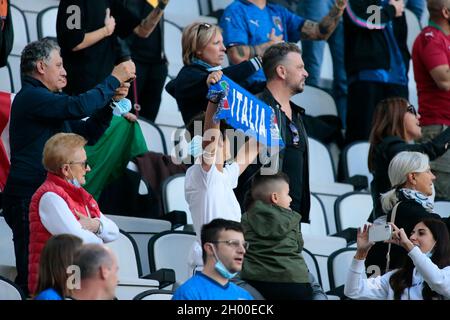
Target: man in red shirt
{"type": "Point", "coordinates": [431, 60]}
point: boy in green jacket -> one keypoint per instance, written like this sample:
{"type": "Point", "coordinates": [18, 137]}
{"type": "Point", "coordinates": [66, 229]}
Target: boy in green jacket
{"type": "Point", "coordinates": [273, 263]}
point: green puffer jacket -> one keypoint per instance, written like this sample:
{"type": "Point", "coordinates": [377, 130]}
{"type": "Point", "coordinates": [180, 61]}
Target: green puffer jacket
{"type": "Point", "coordinates": [275, 243]}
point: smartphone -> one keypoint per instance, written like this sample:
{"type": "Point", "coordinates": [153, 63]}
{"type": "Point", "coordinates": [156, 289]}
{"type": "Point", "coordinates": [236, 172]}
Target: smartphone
{"type": "Point", "coordinates": [380, 232]}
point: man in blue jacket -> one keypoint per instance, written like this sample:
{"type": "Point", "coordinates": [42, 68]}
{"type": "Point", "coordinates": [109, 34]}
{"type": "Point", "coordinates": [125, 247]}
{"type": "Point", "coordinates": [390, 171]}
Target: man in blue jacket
{"type": "Point", "coordinates": [39, 111]}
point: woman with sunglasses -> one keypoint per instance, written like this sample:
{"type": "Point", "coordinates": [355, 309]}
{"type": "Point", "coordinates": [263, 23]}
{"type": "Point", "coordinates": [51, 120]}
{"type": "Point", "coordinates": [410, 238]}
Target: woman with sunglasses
{"type": "Point", "coordinates": [61, 205]}
{"type": "Point", "coordinates": [203, 53]}
{"type": "Point", "coordinates": [395, 125]}
{"type": "Point", "coordinates": [411, 183]}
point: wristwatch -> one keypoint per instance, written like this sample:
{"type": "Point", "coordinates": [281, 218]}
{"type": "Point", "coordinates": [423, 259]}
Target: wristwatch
{"type": "Point", "coordinates": [100, 227]}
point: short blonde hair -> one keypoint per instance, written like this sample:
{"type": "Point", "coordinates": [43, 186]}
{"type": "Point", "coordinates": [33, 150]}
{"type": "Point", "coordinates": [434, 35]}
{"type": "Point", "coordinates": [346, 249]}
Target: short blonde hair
{"type": "Point", "coordinates": [195, 37]}
{"type": "Point", "coordinates": [59, 149]}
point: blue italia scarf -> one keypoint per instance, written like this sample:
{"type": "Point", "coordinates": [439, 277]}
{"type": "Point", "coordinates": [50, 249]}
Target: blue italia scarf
{"type": "Point", "coordinates": [243, 111]}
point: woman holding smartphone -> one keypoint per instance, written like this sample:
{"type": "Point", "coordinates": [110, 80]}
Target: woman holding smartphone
{"type": "Point", "coordinates": [424, 276]}
{"type": "Point", "coordinates": [412, 183]}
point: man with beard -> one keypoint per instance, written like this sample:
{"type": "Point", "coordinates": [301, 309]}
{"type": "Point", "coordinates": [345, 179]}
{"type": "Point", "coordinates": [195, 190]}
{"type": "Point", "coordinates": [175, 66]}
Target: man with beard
{"type": "Point", "coordinates": [431, 56]}
{"type": "Point", "coordinates": [285, 72]}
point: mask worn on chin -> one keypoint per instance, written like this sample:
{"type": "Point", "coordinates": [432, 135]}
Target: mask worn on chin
{"type": "Point", "coordinates": [221, 269]}
{"type": "Point", "coordinates": [74, 182]}
{"type": "Point", "coordinates": [429, 254]}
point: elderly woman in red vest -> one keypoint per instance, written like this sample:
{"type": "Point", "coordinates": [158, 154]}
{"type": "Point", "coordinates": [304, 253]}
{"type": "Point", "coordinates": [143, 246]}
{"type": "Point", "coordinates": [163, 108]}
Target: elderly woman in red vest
{"type": "Point", "coordinates": [61, 205]}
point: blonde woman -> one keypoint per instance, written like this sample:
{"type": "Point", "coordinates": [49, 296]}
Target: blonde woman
{"type": "Point", "coordinates": [61, 205]}
{"type": "Point", "coordinates": [203, 53]}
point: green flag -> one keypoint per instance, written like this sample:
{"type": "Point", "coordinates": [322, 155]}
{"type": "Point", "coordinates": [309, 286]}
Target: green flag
{"type": "Point", "coordinates": [108, 158]}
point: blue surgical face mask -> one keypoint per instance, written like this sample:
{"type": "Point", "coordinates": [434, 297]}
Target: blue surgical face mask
{"type": "Point", "coordinates": [121, 107]}
{"type": "Point", "coordinates": [221, 269]}
{"type": "Point", "coordinates": [195, 146]}
{"type": "Point", "coordinates": [74, 182]}
{"type": "Point", "coordinates": [429, 253]}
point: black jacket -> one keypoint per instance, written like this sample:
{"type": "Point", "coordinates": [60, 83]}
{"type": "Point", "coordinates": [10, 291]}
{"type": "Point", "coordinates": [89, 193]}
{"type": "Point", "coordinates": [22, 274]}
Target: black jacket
{"type": "Point", "coordinates": [189, 87]}
{"type": "Point", "coordinates": [6, 37]}
{"type": "Point", "coordinates": [245, 178]}
{"type": "Point", "coordinates": [387, 149]}
{"type": "Point", "coordinates": [367, 49]}
{"type": "Point", "coordinates": [88, 67]}
{"type": "Point", "coordinates": [37, 114]}
{"type": "Point", "coordinates": [409, 213]}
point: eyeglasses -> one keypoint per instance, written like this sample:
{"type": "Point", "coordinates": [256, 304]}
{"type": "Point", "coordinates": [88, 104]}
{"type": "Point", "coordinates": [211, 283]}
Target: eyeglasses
{"type": "Point", "coordinates": [234, 243]}
{"type": "Point", "coordinates": [202, 26]}
{"type": "Point", "coordinates": [295, 134]}
{"type": "Point", "coordinates": [84, 164]}
{"type": "Point", "coordinates": [411, 110]}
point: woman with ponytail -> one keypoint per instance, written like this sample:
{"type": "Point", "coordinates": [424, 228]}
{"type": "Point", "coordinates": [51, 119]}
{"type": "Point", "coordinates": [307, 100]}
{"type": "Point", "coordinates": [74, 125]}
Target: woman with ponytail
{"type": "Point", "coordinates": [412, 183]}
{"type": "Point", "coordinates": [424, 276]}
{"type": "Point", "coordinates": [396, 124]}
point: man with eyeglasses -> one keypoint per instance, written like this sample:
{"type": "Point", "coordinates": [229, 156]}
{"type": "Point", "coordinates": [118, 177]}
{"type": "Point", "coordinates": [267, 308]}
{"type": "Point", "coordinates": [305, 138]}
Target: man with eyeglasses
{"type": "Point", "coordinates": [431, 56]}
{"type": "Point", "coordinates": [223, 248]}
{"type": "Point", "coordinates": [39, 111]}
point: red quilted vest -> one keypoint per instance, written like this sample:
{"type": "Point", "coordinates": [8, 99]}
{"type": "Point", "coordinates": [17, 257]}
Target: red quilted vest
{"type": "Point", "coordinates": [76, 198]}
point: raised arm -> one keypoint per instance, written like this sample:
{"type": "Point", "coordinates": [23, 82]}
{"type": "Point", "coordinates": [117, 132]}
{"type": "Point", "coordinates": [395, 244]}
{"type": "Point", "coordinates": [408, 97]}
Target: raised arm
{"type": "Point", "coordinates": [323, 30]}
{"type": "Point", "coordinates": [357, 286]}
{"type": "Point", "coordinates": [146, 27]}
{"type": "Point", "coordinates": [212, 142]}
{"type": "Point", "coordinates": [93, 37]}
{"type": "Point", "coordinates": [241, 53]}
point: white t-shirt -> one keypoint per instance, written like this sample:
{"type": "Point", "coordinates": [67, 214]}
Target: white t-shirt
{"type": "Point", "coordinates": [210, 195]}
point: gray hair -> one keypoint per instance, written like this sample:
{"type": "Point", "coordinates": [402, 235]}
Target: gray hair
{"type": "Point", "coordinates": [400, 166]}
{"type": "Point", "coordinates": [36, 51]}
{"type": "Point", "coordinates": [90, 257]}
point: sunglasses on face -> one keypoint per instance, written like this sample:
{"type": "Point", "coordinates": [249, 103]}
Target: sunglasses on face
{"type": "Point", "coordinates": [84, 164]}
{"type": "Point", "coordinates": [411, 110]}
{"type": "Point", "coordinates": [234, 243]}
{"type": "Point", "coordinates": [295, 134]}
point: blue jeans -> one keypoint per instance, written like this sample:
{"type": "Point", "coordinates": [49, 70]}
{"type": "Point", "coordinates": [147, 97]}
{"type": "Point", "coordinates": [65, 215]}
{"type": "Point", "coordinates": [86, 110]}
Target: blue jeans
{"type": "Point", "coordinates": [315, 10]}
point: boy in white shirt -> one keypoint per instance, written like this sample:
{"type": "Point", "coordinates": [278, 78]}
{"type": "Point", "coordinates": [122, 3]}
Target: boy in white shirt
{"type": "Point", "coordinates": [210, 181]}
